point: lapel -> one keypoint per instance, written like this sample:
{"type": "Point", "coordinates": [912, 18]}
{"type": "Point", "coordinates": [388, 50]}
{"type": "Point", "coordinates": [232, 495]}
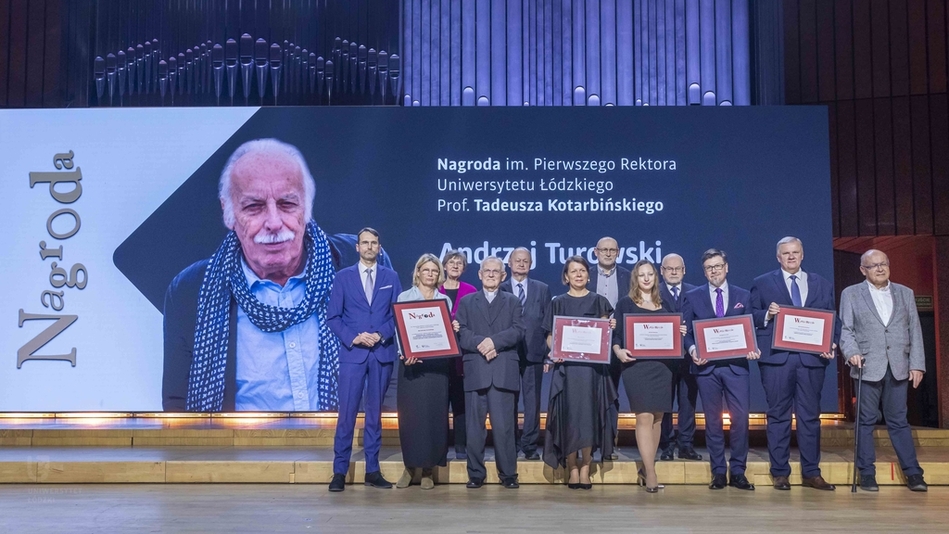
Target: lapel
{"type": "Point", "coordinates": [897, 303]}
{"type": "Point", "coordinates": [782, 289]}
{"type": "Point", "coordinates": [705, 303]}
{"type": "Point", "coordinates": [813, 289]}
{"type": "Point", "coordinates": [865, 291]}
{"type": "Point", "coordinates": [378, 282]}
{"type": "Point", "coordinates": [481, 302]}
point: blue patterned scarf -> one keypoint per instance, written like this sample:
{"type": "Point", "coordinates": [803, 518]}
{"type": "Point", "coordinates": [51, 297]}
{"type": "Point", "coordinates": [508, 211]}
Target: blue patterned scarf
{"type": "Point", "coordinates": [225, 279]}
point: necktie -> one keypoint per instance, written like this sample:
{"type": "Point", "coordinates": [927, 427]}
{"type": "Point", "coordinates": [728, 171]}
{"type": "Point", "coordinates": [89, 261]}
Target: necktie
{"type": "Point", "coordinates": [795, 292]}
{"type": "Point", "coordinates": [675, 293]}
{"type": "Point", "coordinates": [369, 285]}
{"type": "Point", "coordinates": [521, 296]}
{"type": "Point", "coordinates": [719, 303]}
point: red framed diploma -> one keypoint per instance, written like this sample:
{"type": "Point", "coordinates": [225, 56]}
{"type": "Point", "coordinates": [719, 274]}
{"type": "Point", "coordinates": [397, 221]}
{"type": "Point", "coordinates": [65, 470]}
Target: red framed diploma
{"type": "Point", "coordinates": [803, 330]}
{"type": "Point", "coordinates": [723, 338]}
{"type": "Point", "coordinates": [581, 339]}
{"type": "Point", "coordinates": [653, 335]}
{"type": "Point", "coordinates": [424, 329]}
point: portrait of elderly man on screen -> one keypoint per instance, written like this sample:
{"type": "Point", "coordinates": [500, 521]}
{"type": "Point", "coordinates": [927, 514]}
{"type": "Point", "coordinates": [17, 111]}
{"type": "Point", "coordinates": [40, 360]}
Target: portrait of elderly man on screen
{"type": "Point", "coordinates": [245, 330]}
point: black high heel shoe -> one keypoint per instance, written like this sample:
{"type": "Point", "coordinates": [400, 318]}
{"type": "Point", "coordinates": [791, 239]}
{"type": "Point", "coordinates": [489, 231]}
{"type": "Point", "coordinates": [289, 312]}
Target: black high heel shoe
{"type": "Point", "coordinates": [641, 476]}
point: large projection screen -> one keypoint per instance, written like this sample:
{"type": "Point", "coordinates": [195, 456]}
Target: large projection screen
{"type": "Point", "coordinates": [87, 262]}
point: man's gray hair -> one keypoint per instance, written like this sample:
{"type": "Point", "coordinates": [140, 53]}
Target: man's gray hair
{"type": "Point", "coordinates": [266, 146]}
{"type": "Point", "coordinates": [492, 258]}
{"type": "Point", "coordinates": [787, 240]}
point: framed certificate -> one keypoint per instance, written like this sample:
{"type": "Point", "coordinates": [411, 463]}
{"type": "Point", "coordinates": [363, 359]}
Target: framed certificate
{"type": "Point", "coordinates": [803, 330]}
{"type": "Point", "coordinates": [724, 337]}
{"type": "Point", "coordinates": [424, 329]}
{"type": "Point", "coordinates": [581, 339]}
{"type": "Point", "coordinates": [653, 335]}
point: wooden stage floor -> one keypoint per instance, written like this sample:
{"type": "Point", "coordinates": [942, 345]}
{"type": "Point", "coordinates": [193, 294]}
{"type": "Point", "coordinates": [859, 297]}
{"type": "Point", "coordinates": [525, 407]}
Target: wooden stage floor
{"type": "Point", "coordinates": [455, 509]}
{"type": "Point", "coordinates": [298, 450]}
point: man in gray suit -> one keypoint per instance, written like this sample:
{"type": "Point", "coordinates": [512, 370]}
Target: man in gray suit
{"type": "Point", "coordinates": [881, 333]}
{"type": "Point", "coordinates": [534, 297]}
{"type": "Point", "coordinates": [491, 326]}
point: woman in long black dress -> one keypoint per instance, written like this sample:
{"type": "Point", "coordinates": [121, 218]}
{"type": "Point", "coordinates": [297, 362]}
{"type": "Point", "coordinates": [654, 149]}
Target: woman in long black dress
{"type": "Point", "coordinates": [648, 383]}
{"type": "Point", "coordinates": [422, 393]}
{"type": "Point", "coordinates": [580, 393]}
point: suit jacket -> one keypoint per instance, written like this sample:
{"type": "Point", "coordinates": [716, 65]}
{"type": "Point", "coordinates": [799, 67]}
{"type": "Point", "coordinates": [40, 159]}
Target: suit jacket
{"type": "Point", "coordinates": [349, 313]}
{"type": "Point", "coordinates": [181, 313]}
{"type": "Point", "coordinates": [898, 343]}
{"type": "Point", "coordinates": [533, 348]}
{"type": "Point", "coordinates": [501, 320]}
{"type": "Point", "coordinates": [675, 306]}
{"type": "Point", "coordinates": [698, 305]}
{"type": "Point", "coordinates": [770, 287]}
{"type": "Point", "coordinates": [622, 280]}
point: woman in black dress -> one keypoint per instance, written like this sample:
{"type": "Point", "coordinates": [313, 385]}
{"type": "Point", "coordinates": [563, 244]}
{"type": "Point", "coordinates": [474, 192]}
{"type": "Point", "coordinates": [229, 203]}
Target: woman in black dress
{"type": "Point", "coordinates": [580, 393]}
{"type": "Point", "coordinates": [422, 394]}
{"type": "Point", "coordinates": [648, 383]}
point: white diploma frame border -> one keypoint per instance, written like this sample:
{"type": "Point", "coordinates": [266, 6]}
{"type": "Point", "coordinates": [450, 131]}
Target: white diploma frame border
{"type": "Point", "coordinates": [632, 320]}
{"type": "Point", "coordinates": [805, 316]}
{"type": "Point", "coordinates": [604, 342]}
{"type": "Point", "coordinates": [441, 330]}
{"type": "Point", "coordinates": [744, 321]}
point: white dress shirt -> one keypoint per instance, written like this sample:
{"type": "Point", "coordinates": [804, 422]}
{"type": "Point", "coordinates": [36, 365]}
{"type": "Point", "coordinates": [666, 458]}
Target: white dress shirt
{"type": "Point", "coordinates": [883, 300]}
{"type": "Point", "coordinates": [516, 290]}
{"type": "Point", "coordinates": [363, 274]}
{"type": "Point", "coordinates": [714, 296]}
{"type": "Point", "coordinates": [801, 283]}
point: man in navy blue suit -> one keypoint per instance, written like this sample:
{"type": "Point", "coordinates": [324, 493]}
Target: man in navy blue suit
{"type": "Point", "coordinates": [792, 379]}
{"type": "Point", "coordinates": [360, 314]}
{"type": "Point", "coordinates": [723, 379]}
{"type": "Point", "coordinates": [673, 290]}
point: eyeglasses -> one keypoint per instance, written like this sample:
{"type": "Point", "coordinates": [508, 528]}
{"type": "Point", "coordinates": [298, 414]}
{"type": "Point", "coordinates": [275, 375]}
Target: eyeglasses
{"type": "Point", "coordinates": [492, 272]}
{"type": "Point", "coordinates": [876, 265]}
{"type": "Point", "coordinates": [607, 250]}
{"type": "Point", "coordinates": [674, 270]}
{"type": "Point", "coordinates": [716, 267]}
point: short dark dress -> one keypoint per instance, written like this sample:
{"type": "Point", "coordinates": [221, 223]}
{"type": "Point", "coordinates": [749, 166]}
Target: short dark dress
{"type": "Point", "coordinates": [580, 393]}
{"type": "Point", "coordinates": [648, 383]}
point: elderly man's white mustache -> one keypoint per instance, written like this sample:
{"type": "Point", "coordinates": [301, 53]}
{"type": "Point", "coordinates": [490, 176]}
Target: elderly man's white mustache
{"type": "Point", "coordinates": [264, 237]}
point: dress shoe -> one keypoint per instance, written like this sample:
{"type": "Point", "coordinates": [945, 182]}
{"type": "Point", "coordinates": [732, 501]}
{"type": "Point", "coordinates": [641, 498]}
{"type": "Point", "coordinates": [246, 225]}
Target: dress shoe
{"type": "Point", "coordinates": [741, 482]}
{"type": "Point", "coordinates": [474, 483]}
{"type": "Point", "coordinates": [916, 483]}
{"type": "Point", "coordinates": [377, 481]}
{"type": "Point", "coordinates": [817, 482]}
{"type": "Point", "coordinates": [405, 480]}
{"type": "Point", "coordinates": [427, 481]}
{"type": "Point", "coordinates": [718, 482]}
{"type": "Point", "coordinates": [338, 483]}
{"type": "Point", "coordinates": [667, 454]}
{"type": "Point", "coordinates": [688, 453]}
{"type": "Point", "coordinates": [531, 455]}
{"type": "Point", "coordinates": [510, 482]}
{"type": "Point", "coordinates": [573, 485]}
{"type": "Point", "coordinates": [641, 477]}
{"type": "Point", "coordinates": [781, 483]}
{"type": "Point", "coordinates": [869, 483]}
{"type": "Point", "coordinates": [586, 486]}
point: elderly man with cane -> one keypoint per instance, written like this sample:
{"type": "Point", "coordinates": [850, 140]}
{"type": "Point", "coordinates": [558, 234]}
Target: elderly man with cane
{"type": "Point", "coordinates": [883, 342]}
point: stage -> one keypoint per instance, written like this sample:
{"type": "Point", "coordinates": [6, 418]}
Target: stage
{"type": "Point", "coordinates": [282, 450]}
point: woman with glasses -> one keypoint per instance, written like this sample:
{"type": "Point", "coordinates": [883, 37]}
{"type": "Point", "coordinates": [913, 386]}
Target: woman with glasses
{"type": "Point", "coordinates": [648, 383]}
{"type": "Point", "coordinates": [455, 262]}
{"type": "Point", "coordinates": [422, 393]}
{"type": "Point", "coordinates": [578, 421]}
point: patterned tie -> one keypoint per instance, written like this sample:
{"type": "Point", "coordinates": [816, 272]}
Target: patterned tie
{"type": "Point", "coordinates": [675, 293]}
{"type": "Point", "coordinates": [369, 285]}
{"type": "Point", "coordinates": [521, 296]}
{"type": "Point", "coordinates": [719, 303]}
{"type": "Point", "coordinates": [795, 292]}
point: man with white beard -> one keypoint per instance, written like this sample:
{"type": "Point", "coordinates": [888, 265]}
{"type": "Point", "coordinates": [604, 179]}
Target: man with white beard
{"type": "Point", "coordinates": [246, 330]}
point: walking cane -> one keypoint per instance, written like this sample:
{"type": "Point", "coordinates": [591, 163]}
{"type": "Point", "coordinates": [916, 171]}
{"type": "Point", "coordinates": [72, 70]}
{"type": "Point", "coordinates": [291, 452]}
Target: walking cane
{"type": "Point", "coordinates": [856, 427]}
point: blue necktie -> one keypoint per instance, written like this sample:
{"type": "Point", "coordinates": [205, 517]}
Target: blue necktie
{"type": "Point", "coordinates": [675, 293]}
{"type": "Point", "coordinates": [795, 292]}
{"type": "Point", "coordinates": [521, 296]}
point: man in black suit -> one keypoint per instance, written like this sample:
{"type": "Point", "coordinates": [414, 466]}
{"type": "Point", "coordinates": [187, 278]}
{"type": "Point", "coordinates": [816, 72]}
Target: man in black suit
{"type": "Point", "coordinates": [611, 281]}
{"type": "Point", "coordinates": [672, 290]}
{"type": "Point", "coordinates": [534, 297]}
{"type": "Point", "coordinates": [491, 326]}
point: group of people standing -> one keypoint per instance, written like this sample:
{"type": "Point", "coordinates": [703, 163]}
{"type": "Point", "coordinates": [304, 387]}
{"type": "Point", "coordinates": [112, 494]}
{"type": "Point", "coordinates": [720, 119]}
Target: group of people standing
{"type": "Point", "coordinates": [505, 331]}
